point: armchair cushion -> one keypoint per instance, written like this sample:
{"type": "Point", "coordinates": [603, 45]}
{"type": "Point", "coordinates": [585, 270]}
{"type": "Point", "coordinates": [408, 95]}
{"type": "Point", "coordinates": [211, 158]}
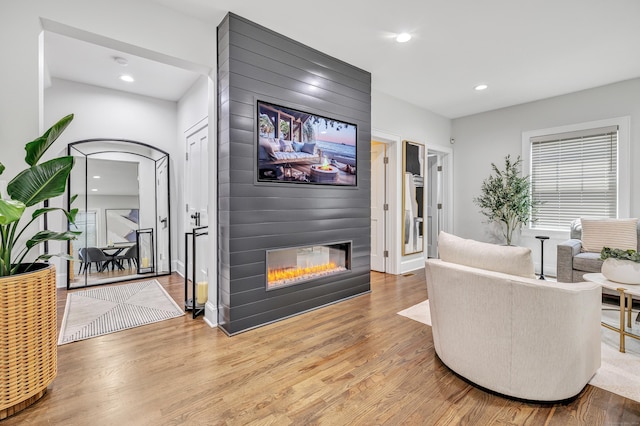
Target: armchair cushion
{"type": "Point", "coordinates": [613, 233]}
{"type": "Point", "coordinates": [587, 262]}
{"type": "Point", "coordinates": [506, 259]}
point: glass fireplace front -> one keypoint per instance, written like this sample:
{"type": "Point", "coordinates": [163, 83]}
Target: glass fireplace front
{"type": "Point", "coordinates": [295, 265]}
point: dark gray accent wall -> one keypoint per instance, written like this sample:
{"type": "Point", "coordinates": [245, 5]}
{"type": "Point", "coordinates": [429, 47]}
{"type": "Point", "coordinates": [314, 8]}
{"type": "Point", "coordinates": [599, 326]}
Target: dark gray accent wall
{"type": "Point", "coordinates": [255, 63]}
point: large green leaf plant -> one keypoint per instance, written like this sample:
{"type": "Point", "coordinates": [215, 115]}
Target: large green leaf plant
{"type": "Point", "coordinates": [38, 183]}
{"type": "Point", "coordinates": [506, 198]}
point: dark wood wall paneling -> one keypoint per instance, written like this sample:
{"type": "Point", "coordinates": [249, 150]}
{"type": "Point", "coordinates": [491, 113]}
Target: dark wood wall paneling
{"type": "Point", "coordinates": [255, 63]}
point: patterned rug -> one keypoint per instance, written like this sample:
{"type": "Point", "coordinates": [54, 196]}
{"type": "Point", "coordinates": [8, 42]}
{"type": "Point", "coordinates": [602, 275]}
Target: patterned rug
{"type": "Point", "coordinates": [619, 372]}
{"type": "Point", "coordinates": [103, 310]}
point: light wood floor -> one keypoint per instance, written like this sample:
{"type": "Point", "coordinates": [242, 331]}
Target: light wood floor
{"type": "Point", "coordinates": [355, 362]}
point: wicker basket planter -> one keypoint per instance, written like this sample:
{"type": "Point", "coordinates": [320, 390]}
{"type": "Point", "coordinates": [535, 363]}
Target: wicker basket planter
{"type": "Point", "coordinates": [28, 346]}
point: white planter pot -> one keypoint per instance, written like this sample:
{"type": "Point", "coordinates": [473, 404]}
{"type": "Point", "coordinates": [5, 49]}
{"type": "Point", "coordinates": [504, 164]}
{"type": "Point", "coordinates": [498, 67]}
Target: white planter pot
{"type": "Point", "coordinates": [621, 271]}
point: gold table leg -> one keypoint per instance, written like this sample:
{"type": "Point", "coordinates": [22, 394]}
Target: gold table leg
{"type": "Point", "coordinates": [622, 312]}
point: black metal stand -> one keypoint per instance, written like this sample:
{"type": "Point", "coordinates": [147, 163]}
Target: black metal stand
{"type": "Point", "coordinates": [541, 238]}
{"type": "Point", "coordinates": [190, 303]}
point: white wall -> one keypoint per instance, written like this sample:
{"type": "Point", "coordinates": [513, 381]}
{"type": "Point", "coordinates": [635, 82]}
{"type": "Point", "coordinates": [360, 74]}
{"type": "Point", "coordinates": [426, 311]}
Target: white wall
{"type": "Point", "coordinates": [410, 122]}
{"type": "Point", "coordinates": [485, 138]}
{"type": "Point", "coordinates": [193, 108]}
{"type": "Point", "coordinates": [193, 113]}
{"type": "Point", "coordinates": [393, 120]}
{"type": "Point", "coordinates": [106, 113]}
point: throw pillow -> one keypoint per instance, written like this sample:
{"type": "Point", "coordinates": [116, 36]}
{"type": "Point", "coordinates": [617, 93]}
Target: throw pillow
{"type": "Point", "coordinates": [285, 146]}
{"type": "Point", "coordinates": [309, 148]}
{"type": "Point", "coordinates": [510, 260]}
{"type": "Point", "coordinates": [613, 233]}
{"type": "Point", "coordinates": [275, 145]}
{"type": "Point", "coordinates": [265, 150]}
{"type": "Point", "coordinates": [297, 146]}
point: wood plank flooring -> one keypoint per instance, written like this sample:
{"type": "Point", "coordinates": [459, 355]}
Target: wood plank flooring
{"type": "Point", "coordinates": [355, 362]}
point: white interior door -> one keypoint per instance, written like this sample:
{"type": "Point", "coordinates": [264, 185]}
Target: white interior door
{"type": "Point", "coordinates": [435, 200]}
{"type": "Point", "coordinates": [196, 172]}
{"type": "Point", "coordinates": [432, 205]}
{"type": "Point", "coordinates": [196, 197]}
{"type": "Point", "coordinates": [378, 203]}
{"type": "Point", "coordinates": [162, 209]}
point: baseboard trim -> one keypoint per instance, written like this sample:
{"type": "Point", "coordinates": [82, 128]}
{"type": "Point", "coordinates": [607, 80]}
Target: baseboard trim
{"type": "Point", "coordinates": [179, 267]}
{"type": "Point", "coordinates": [211, 314]}
{"type": "Point", "coordinates": [412, 265]}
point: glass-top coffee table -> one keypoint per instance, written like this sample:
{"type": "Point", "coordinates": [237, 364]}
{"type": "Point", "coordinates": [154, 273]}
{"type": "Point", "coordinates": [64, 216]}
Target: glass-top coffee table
{"type": "Point", "coordinates": [625, 325]}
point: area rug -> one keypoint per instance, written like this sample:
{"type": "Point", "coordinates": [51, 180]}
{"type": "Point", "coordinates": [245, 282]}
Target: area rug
{"type": "Point", "coordinates": [103, 310]}
{"type": "Point", "coordinates": [619, 373]}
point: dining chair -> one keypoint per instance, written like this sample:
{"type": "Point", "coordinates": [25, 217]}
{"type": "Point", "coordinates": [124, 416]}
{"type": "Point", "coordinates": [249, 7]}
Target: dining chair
{"type": "Point", "coordinates": [97, 256]}
{"type": "Point", "coordinates": [131, 256]}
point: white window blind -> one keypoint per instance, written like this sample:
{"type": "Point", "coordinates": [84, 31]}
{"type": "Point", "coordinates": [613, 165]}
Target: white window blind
{"type": "Point", "coordinates": [574, 175]}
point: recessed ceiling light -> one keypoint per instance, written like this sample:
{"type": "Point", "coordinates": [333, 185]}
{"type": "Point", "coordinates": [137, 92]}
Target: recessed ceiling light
{"type": "Point", "coordinates": [94, 190]}
{"type": "Point", "coordinates": [127, 78]}
{"type": "Point", "coordinates": [480, 87]}
{"type": "Point", "coordinates": [403, 38]}
{"type": "Point", "coordinates": [96, 177]}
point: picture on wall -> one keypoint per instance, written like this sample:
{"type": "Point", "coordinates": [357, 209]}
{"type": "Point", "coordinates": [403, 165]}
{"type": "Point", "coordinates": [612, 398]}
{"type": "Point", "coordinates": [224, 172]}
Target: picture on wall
{"type": "Point", "coordinates": [122, 225]}
{"type": "Point", "coordinates": [299, 147]}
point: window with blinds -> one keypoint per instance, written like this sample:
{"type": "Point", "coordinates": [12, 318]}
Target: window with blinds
{"type": "Point", "coordinates": [574, 174]}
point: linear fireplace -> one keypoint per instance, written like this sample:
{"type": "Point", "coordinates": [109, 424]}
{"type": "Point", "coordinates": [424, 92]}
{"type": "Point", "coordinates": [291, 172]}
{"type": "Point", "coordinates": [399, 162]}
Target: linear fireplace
{"type": "Point", "coordinates": [295, 265]}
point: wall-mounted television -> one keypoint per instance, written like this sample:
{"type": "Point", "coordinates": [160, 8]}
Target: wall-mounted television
{"type": "Point", "coordinates": [299, 147]}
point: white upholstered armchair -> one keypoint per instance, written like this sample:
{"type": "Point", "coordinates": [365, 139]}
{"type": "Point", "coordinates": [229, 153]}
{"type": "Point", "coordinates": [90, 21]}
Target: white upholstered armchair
{"type": "Point", "coordinates": [499, 327]}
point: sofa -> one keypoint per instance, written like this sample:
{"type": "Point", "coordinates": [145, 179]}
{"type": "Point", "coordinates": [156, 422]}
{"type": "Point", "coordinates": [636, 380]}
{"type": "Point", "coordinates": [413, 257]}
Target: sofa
{"type": "Point", "coordinates": [278, 151]}
{"type": "Point", "coordinates": [574, 259]}
{"type": "Point", "coordinates": [502, 329]}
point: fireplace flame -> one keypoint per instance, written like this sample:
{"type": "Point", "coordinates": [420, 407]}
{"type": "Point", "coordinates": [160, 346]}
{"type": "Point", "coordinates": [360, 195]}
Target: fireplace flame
{"type": "Point", "coordinates": [281, 274]}
{"type": "Point", "coordinates": [325, 164]}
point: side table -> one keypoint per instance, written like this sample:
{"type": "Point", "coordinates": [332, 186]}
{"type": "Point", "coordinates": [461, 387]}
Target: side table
{"type": "Point", "coordinates": [625, 291]}
{"type": "Point", "coordinates": [541, 238]}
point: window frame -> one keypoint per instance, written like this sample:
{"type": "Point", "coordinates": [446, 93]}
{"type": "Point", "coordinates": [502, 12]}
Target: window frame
{"type": "Point", "coordinates": [623, 159]}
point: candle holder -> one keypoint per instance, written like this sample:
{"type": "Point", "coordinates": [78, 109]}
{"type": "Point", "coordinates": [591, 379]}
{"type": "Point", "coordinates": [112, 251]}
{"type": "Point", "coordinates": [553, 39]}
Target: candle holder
{"type": "Point", "coordinates": [202, 292]}
{"type": "Point", "coordinates": [146, 258]}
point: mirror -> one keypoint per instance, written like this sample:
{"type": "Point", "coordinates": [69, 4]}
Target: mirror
{"type": "Point", "coordinates": [122, 190]}
{"type": "Point", "coordinates": [412, 197]}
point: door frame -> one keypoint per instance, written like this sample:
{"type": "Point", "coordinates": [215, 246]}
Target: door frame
{"type": "Point", "coordinates": [446, 155]}
{"type": "Point", "coordinates": [394, 196]}
{"type": "Point", "coordinates": [385, 213]}
{"type": "Point", "coordinates": [392, 231]}
{"type": "Point", "coordinates": [186, 184]}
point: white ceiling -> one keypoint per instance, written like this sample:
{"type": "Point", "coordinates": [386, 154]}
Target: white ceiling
{"type": "Point", "coordinates": [524, 50]}
{"type": "Point", "coordinates": [75, 60]}
{"type": "Point", "coordinates": [118, 178]}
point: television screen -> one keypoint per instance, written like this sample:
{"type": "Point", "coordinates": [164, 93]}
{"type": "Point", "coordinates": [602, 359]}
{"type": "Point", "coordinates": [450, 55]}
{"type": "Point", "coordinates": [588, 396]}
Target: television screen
{"type": "Point", "coordinates": [300, 147]}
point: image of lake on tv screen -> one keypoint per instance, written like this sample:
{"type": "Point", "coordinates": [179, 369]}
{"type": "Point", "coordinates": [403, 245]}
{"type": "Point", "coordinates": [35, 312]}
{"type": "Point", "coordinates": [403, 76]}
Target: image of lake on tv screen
{"type": "Point", "coordinates": [302, 147]}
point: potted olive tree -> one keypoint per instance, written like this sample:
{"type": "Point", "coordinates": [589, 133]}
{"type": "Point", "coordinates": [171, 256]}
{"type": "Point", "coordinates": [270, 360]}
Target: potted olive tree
{"type": "Point", "coordinates": [28, 324]}
{"type": "Point", "coordinates": [506, 199]}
